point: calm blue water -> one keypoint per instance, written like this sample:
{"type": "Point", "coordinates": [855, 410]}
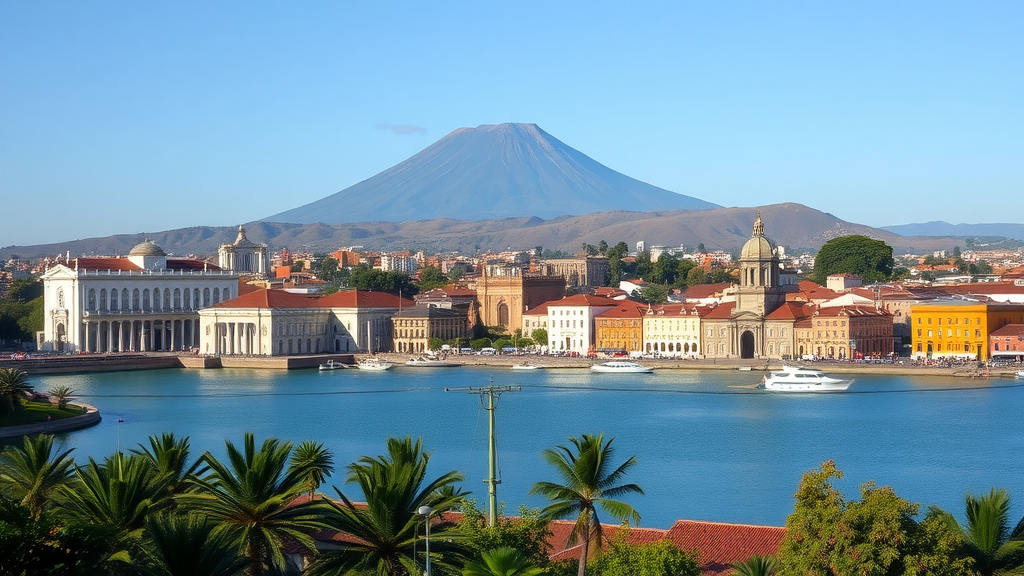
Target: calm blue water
{"type": "Point", "coordinates": [707, 450]}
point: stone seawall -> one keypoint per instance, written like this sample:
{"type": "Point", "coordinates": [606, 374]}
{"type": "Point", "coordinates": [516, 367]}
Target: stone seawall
{"type": "Point", "coordinates": [90, 418]}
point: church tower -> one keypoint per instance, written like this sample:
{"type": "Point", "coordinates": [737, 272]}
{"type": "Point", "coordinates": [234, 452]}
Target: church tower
{"type": "Point", "coordinates": [759, 292]}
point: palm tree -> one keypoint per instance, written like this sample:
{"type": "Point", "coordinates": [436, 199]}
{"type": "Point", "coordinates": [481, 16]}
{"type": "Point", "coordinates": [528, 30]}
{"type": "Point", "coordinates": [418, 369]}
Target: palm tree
{"type": "Point", "coordinates": [990, 541]}
{"type": "Point", "coordinates": [115, 497]}
{"type": "Point", "coordinates": [504, 561]}
{"type": "Point", "coordinates": [385, 529]}
{"type": "Point", "coordinates": [588, 482]}
{"type": "Point", "coordinates": [250, 496]}
{"type": "Point", "coordinates": [32, 474]}
{"type": "Point", "coordinates": [188, 545]}
{"type": "Point", "coordinates": [314, 463]}
{"type": "Point", "coordinates": [13, 387]}
{"type": "Point", "coordinates": [755, 566]}
{"type": "Point", "coordinates": [169, 458]}
{"type": "Point", "coordinates": [61, 394]}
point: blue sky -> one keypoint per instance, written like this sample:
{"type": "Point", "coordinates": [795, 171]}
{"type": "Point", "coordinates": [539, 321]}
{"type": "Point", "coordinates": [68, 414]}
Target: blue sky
{"type": "Point", "coordinates": [125, 117]}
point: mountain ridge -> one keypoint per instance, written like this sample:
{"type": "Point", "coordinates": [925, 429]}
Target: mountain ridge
{"type": "Point", "coordinates": [489, 172]}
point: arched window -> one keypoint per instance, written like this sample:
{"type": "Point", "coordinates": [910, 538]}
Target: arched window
{"type": "Point", "coordinates": [145, 299]}
{"type": "Point", "coordinates": [135, 299]}
{"type": "Point", "coordinates": [91, 300]}
{"type": "Point", "coordinates": [177, 298]}
{"type": "Point", "coordinates": [216, 295]}
{"type": "Point", "coordinates": [167, 298]}
{"type": "Point", "coordinates": [226, 294]}
{"type": "Point", "coordinates": [124, 299]}
{"type": "Point", "coordinates": [195, 299]}
{"type": "Point", "coordinates": [156, 299]}
{"type": "Point", "coordinates": [206, 297]}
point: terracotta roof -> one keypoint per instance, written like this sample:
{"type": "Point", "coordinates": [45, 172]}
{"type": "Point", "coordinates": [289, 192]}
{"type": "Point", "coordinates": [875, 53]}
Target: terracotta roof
{"type": "Point", "coordinates": [720, 312]}
{"type": "Point", "coordinates": [851, 311]}
{"type": "Point", "coordinates": [791, 311]}
{"type": "Point", "coordinates": [698, 291]}
{"type": "Point", "coordinates": [270, 299]}
{"type": "Point", "coordinates": [719, 545]}
{"type": "Point", "coordinates": [672, 309]}
{"type": "Point", "coordinates": [632, 310]}
{"type": "Point", "coordinates": [1009, 330]}
{"type": "Point", "coordinates": [189, 264]}
{"type": "Point", "coordinates": [541, 310]}
{"type": "Point", "coordinates": [105, 264]}
{"type": "Point", "coordinates": [365, 299]}
{"type": "Point", "coordinates": [584, 300]}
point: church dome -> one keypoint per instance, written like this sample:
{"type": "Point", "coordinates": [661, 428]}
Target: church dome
{"type": "Point", "coordinates": [758, 247]}
{"type": "Point", "coordinates": [147, 248]}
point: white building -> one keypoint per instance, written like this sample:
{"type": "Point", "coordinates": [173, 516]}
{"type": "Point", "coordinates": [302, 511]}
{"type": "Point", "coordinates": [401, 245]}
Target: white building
{"type": "Point", "coordinates": [571, 322]}
{"type": "Point", "coordinates": [280, 323]}
{"type": "Point", "coordinates": [398, 263]}
{"type": "Point", "coordinates": [672, 330]}
{"type": "Point", "coordinates": [144, 302]}
{"type": "Point", "coordinates": [244, 256]}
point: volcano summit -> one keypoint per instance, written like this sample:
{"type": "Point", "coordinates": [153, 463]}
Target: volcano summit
{"type": "Point", "coordinates": [492, 171]}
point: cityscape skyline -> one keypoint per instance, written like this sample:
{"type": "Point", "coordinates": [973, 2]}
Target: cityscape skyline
{"type": "Point", "coordinates": [128, 118]}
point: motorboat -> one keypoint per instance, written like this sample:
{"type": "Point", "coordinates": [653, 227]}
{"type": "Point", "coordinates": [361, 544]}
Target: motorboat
{"type": "Point", "coordinates": [424, 362]}
{"type": "Point", "coordinates": [622, 367]}
{"type": "Point", "coordinates": [1020, 374]}
{"type": "Point", "coordinates": [525, 366]}
{"type": "Point", "coordinates": [332, 365]}
{"type": "Point", "coordinates": [374, 364]}
{"type": "Point", "coordinates": [797, 379]}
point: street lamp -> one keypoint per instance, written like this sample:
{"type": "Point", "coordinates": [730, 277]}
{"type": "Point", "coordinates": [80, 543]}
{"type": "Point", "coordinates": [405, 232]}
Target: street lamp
{"type": "Point", "coordinates": [425, 512]}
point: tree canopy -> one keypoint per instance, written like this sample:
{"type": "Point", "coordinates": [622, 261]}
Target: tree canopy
{"type": "Point", "coordinates": [868, 258]}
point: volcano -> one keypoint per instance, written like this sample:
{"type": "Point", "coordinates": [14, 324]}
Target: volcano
{"type": "Point", "coordinates": [490, 172]}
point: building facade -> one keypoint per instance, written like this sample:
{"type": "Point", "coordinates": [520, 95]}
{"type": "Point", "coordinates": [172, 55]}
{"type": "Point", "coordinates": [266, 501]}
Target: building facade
{"type": "Point", "coordinates": [244, 256]}
{"type": "Point", "coordinates": [505, 291]}
{"type": "Point", "coordinates": [414, 327]}
{"type": "Point", "coordinates": [620, 329]}
{"type": "Point", "coordinates": [951, 327]}
{"type": "Point", "coordinates": [145, 302]}
{"type": "Point", "coordinates": [580, 272]}
{"type": "Point", "coordinates": [571, 322]}
{"type": "Point", "coordinates": [672, 330]}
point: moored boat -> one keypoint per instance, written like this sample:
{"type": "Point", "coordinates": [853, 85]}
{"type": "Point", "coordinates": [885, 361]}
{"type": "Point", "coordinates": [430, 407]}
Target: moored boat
{"type": "Point", "coordinates": [622, 367]}
{"type": "Point", "coordinates": [374, 364]}
{"type": "Point", "coordinates": [424, 362]}
{"type": "Point", "coordinates": [525, 366]}
{"type": "Point", "coordinates": [1020, 374]}
{"type": "Point", "coordinates": [797, 379]}
{"type": "Point", "coordinates": [333, 365]}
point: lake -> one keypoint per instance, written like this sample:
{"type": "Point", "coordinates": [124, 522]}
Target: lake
{"type": "Point", "coordinates": [709, 448]}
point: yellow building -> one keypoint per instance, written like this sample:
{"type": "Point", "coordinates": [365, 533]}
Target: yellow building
{"type": "Point", "coordinates": [959, 328]}
{"type": "Point", "coordinates": [620, 329]}
{"type": "Point", "coordinates": [672, 330]}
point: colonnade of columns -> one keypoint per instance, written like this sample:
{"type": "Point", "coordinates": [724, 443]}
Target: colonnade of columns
{"type": "Point", "coordinates": [158, 334]}
{"type": "Point", "coordinates": [236, 338]}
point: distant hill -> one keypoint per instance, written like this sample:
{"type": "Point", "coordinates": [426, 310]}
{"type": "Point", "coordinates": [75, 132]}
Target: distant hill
{"type": "Point", "coordinates": [794, 226]}
{"type": "Point", "coordinates": [490, 172]}
{"type": "Point", "coordinates": [940, 228]}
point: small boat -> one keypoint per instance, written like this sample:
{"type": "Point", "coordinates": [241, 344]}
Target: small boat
{"type": "Point", "coordinates": [1020, 374]}
{"type": "Point", "coordinates": [797, 379]}
{"type": "Point", "coordinates": [622, 367]}
{"type": "Point", "coordinates": [423, 362]}
{"type": "Point", "coordinates": [525, 366]}
{"type": "Point", "coordinates": [374, 364]}
{"type": "Point", "coordinates": [332, 365]}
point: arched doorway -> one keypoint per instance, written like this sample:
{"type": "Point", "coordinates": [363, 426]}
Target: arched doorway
{"type": "Point", "coordinates": [503, 315]}
{"type": "Point", "coordinates": [62, 337]}
{"type": "Point", "coordinates": [747, 345]}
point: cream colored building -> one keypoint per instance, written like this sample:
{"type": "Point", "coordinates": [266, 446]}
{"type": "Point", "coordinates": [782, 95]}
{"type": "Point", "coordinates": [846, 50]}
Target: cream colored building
{"type": "Point", "coordinates": [145, 302]}
{"type": "Point", "coordinates": [279, 323]}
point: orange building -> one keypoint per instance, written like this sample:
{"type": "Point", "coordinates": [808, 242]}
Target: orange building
{"type": "Point", "coordinates": [959, 328]}
{"type": "Point", "coordinates": [620, 328]}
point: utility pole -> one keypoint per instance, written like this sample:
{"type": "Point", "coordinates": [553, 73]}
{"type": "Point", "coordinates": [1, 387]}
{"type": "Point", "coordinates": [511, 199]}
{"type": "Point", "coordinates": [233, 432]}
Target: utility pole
{"type": "Point", "coordinates": [492, 393]}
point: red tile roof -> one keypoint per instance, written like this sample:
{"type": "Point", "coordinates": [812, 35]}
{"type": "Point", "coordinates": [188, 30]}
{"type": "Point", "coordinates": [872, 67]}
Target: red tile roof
{"type": "Point", "coordinates": [270, 299]}
{"type": "Point", "coordinates": [106, 264]}
{"type": "Point", "coordinates": [720, 312]}
{"type": "Point", "coordinates": [189, 264]}
{"type": "Point", "coordinates": [791, 311]}
{"type": "Point", "coordinates": [632, 310]}
{"type": "Point", "coordinates": [699, 291]}
{"type": "Point", "coordinates": [541, 310]}
{"type": "Point", "coordinates": [365, 299]}
{"type": "Point", "coordinates": [584, 300]}
{"type": "Point", "coordinates": [1009, 330]}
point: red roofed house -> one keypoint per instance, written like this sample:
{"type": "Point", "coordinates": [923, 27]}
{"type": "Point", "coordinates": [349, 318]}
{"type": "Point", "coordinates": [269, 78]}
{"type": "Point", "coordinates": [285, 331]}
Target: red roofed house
{"type": "Point", "coordinates": [280, 323]}
{"type": "Point", "coordinates": [620, 329]}
{"type": "Point", "coordinates": [144, 302]}
{"type": "Point", "coordinates": [672, 330]}
{"type": "Point", "coordinates": [1008, 342]}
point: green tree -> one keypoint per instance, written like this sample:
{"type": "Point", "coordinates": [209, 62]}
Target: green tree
{"type": "Point", "coordinates": [665, 269]}
{"type": "Point", "coordinates": [589, 482]}
{"type": "Point", "coordinates": [654, 293]}
{"type": "Point", "coordinates": [24, 290]}
{"type": "Point", "coordinates": [33, 473]}
{"type": "Point", "coordinates": [61, 394]}
{"type": "Point", "coordinates": [755, 566]}
{"type": "Point", "coordinates": [45, 546]}
{"type": "Point", "coordinates": [188, 545]}
{"type": "Point", "coordinates": [431, 277]}
{"type": "Point", "coordinates": [314, 463]}
{"type": "Point", "coordinates": [701, 249]}
{"type": "Point", "coordinates": [169, 457]}
{"type": "Point", "coordinates": [643, 268]}
{"type": "Point", "coordinates": [828, 536]}
{"type": "Point", "coordinates": [695, 276]}
{"type": "Point", "coordinates": [980, 267]}
{"type": "Point", "coordinates": [326, 268]}
{"type": "Point", "coordinates": [653, 558]}
{"type": "Point", "coordinates": [365, 278]}
{"type": "Point", "coordinates": [994, 547]}
{"type": "Point", "coordinates": [14, 387]}
{"type": "Point", "coordinates": [250, 498]}
{"type": "Point", "coordinates": [528, 532]}
{"type": "Point", "coordinates": [394, 487]}
{"type": "Point", "coordinates": [871, 259]}
{"type": "Point", "coordinates": [540, 336]}
{"type": "Point", "coordinates": [457, 272]}
{"type": "Point", "coordinates": [504, 561]}
{"type": "Point", "coordinates": [615, 255]}
{"type": "Point", "coordinates": [602, 248]}
{"type": "Point", "coordinates": [435, 343]}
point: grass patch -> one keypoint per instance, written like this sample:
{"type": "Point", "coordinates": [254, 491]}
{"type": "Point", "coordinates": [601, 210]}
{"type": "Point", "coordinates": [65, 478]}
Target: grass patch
{"type": "Point", "coordinates": [35, 412]}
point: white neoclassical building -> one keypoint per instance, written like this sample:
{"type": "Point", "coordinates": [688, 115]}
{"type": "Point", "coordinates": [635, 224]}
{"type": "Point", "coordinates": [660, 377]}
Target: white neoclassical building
{"type": "Point", "coordinates": [244, 256]}
{"type": "Point", "coordinates": [571, 322]}
{"type": "Point", "coordinates": [280, 323]}
{"type": "Point", "coordinates": [145, 302]}
{"type": "Point", "coordinates": [672, 330]}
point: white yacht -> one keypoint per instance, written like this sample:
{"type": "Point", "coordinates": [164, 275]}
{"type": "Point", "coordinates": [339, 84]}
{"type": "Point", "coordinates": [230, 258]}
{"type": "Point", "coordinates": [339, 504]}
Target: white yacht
{"type": "Point", "coordinates": [425, 362]}
{"type": "Point", "coordinates": [621, 367]}
{"type": "Point", "coordinates": [374, 364]}
{"type": "Point", "coordinates": [797, 379]}
{"type": "Point", "coordinates": [525, 366]}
